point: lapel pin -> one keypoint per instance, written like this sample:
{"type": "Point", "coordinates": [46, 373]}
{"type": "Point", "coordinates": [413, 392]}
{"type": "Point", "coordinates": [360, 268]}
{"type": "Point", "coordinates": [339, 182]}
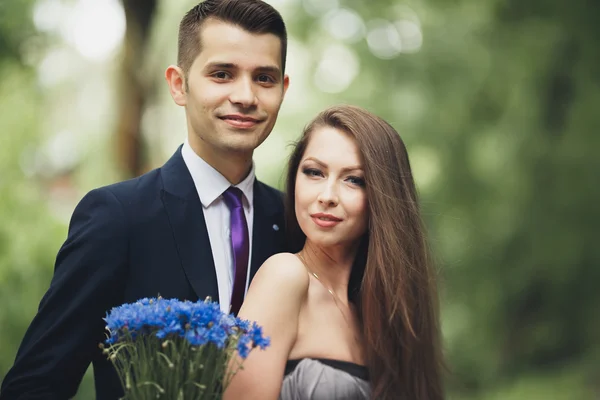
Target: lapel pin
{"type": "Point", "coordinates": [275, 227]}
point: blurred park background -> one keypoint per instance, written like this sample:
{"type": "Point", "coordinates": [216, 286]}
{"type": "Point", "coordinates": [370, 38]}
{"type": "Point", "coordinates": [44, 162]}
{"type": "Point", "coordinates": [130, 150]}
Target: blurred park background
{"type": "Point", "coordinates": [497, 101]}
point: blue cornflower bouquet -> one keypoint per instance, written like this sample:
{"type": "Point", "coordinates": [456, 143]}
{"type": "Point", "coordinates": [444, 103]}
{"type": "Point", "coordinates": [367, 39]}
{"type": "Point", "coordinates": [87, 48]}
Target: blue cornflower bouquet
{"type": "Point", "coordinates": [177, 350]}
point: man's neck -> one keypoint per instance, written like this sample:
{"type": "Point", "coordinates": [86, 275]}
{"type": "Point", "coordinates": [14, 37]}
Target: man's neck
{"type": "Point", "coordinates": [233, 166]}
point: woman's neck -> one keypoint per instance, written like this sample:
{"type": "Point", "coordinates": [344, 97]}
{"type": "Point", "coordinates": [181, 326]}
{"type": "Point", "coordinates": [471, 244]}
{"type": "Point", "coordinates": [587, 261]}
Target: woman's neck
{"type": "Point", "coordinates": [332, 265]}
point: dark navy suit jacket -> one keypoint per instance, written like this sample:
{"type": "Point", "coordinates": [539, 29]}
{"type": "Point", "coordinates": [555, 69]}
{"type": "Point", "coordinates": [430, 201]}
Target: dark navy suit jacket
{"type": "Point", "coordinates": [139, 238]}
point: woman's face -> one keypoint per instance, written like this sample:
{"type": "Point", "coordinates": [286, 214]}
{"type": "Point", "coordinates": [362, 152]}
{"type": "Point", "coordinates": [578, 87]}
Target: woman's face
{"type": "Point", "coordinates": [331, 201]}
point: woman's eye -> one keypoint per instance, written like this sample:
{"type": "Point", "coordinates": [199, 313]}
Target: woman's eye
{"type": "Point", "coordinates": [311, 172]}
{"type": "Point", "coordinates": [355, 180]}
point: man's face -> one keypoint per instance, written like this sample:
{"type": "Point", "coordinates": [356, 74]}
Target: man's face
{"type": "Point", "coordinates": [235, 87]}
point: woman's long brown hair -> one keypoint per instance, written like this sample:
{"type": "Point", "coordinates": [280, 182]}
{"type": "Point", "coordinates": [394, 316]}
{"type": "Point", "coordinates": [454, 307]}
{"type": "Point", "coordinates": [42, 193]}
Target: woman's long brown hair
{"type": "Point", "coordinates": [392, 282]}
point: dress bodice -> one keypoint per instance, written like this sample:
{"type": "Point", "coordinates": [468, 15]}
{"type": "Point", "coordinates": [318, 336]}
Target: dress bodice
{"type": "Point", "coordinates": [324, 379]}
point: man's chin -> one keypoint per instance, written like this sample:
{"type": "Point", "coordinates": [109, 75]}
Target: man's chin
{"type": "Point", "coordinates": [244, 142]}
{"type": "Point", "coordinates": [241, 146]}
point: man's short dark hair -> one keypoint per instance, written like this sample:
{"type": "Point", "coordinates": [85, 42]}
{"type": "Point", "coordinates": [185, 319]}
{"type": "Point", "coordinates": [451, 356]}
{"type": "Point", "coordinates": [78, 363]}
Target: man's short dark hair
{"type": "Point", "coordinates": [254, 16]}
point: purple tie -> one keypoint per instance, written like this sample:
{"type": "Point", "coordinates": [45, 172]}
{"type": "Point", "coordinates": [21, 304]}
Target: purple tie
{"type": "Point", "coordinates": [239, 245]}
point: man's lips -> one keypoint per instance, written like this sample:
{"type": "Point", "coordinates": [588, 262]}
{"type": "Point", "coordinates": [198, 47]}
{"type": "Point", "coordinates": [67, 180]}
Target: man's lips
{"type": "Point", "coordinates": [240, 121]}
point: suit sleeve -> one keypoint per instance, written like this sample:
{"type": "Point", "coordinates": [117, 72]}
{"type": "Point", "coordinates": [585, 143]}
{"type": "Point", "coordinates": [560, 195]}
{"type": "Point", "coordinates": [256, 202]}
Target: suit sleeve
{"type": "Point", "coordinates": [88, 280]}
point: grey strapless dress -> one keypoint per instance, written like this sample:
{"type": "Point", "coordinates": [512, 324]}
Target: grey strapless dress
{"type": "Point", "coordinates": [324, 379]}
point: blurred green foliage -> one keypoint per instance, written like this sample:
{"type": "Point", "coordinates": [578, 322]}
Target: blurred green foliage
{"type": "Point", "coordinates": [499, 112]}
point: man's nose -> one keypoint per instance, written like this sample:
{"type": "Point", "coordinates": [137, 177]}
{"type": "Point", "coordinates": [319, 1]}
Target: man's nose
{"type": "Point", "coordinates": [243, 93]}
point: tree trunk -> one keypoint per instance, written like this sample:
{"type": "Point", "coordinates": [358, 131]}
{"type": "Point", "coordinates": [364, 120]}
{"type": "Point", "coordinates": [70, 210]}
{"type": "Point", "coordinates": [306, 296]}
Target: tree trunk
{"type": "Point", "coordinates": [133, 88]}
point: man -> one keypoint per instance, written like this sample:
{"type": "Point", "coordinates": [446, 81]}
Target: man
{"type": "Point", "coordinates": [168, 231]}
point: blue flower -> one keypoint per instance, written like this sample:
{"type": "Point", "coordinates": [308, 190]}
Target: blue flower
{"type": "Point", "coordinates": [244, 325]}
{"type": "Point", "coordinates": [217, 335]}
{"type": "Point", "coordinates": [243, 346]}
{"type": "Point", "coordinates": [229, 323]}
{"type": "Point", "coordinates": [197, 336]}
{"type": "Point", "coordinates": [257, 337]}
{"type": "Point", "coordinates": [199, 323]}
{"type": "Point", "coordinates": [172, 327]}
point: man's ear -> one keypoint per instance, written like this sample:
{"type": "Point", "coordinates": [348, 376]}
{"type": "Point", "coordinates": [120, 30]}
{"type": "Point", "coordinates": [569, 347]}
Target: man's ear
{"type": "Point", "coordinates": [177, 86]}
{"type": "Point", "coordinates": [286, 84]}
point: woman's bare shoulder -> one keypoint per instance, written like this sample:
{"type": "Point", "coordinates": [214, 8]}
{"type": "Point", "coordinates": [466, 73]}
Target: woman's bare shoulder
{"type": "Point", "coordinates": [284, 271]}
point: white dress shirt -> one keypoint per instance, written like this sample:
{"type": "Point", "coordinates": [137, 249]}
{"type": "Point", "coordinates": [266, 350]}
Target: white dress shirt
{"type": "Point", "coordinates": [210, 185]}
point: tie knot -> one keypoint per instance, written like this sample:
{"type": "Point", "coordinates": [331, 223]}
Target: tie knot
{"type": "Point", "coordinates": [233, 197]}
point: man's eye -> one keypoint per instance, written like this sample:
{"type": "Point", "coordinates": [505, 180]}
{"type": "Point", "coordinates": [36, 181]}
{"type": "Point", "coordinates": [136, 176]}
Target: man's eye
{"type": "Point", "coordinates": [220, 75]}
{"type": "Point", "coordinates": [265, 79]}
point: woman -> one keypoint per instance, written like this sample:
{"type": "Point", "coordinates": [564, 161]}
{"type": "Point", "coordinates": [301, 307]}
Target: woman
{"type": "Point", "coordinates": [352, 315]}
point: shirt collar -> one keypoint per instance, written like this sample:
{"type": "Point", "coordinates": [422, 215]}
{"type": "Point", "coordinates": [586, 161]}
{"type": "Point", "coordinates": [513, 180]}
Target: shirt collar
{"type": "Point", "coordinates": [209, 182]}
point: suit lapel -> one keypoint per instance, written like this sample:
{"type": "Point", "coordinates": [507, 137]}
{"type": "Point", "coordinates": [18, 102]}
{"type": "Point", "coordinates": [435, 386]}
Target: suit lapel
{"type": "Point", "coordinates": [183, 207]}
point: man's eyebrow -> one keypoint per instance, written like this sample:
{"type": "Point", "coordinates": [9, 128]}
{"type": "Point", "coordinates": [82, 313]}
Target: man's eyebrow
{"type": "Point", "coordinates": [226, 65]}
{"type": "Point", "coordinates": [218, 64]}
{"type": "Point", "coordinates": [270, 69]}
